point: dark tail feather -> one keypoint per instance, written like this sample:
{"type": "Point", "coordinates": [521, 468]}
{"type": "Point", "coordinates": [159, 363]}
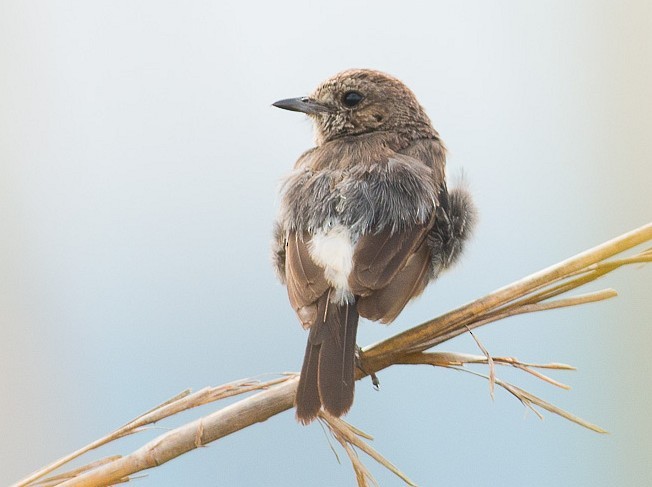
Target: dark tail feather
{"type": "Point", "coordinates": [327, 375]}
{"type": "Point", "coordinates": [307, 399]}
{"type": "Point", "coordinates": [337, 359]}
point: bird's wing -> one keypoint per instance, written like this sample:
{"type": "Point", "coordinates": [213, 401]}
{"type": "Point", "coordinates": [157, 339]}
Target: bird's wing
{"type": "Point", "coordinates": [305, 279]}
{"type": "Point", "coordinates": [378, 257]}
{"type": "Point", "coordinates": [409, 281]}
{"type": "Point", "coordinates": [389, 269]}
{"type": "Point", "coordinates": [392, 266]}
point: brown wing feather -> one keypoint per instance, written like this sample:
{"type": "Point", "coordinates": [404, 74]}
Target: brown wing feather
{"type": "Point", "coordinates": [378, 257]}
{"type": "Point", "coordinates": [305, 279]}
{"type": "Point", "coordinates": [385, 304]}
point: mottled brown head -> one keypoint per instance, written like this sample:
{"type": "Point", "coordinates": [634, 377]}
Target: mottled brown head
{"type": "Point", "coordinates": [360, 101]}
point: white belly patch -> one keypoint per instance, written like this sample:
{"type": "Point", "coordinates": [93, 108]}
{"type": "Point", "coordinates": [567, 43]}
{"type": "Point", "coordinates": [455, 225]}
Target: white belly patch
{"type": "Point", "coordinates": [333, 250]}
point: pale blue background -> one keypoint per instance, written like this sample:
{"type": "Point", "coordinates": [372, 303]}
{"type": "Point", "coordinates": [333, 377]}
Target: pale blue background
{"type": "Point", "coordinates": [140, 161]}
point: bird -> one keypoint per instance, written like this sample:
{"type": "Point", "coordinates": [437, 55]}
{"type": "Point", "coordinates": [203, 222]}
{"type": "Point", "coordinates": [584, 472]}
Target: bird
{"type": "Point", "coordinates": [365, 222]}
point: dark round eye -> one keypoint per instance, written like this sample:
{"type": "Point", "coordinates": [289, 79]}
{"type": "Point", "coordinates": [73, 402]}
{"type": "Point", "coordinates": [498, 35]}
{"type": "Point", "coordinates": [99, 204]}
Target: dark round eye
{"type": "Point", "coordinates": [351, 98]}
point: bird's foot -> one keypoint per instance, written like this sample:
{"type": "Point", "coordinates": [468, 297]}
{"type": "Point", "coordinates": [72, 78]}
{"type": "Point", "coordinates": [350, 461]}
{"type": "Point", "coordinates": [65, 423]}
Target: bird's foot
{"type": "Point", "coordinates": [358, 363]}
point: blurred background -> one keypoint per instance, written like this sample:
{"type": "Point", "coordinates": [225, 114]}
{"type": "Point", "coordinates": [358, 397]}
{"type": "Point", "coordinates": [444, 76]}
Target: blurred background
{"type": "Point", "coordinates": [140, 164]}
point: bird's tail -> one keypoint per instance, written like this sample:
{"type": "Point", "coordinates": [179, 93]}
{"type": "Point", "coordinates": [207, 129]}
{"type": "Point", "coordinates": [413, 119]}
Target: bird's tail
{"type": "Point", "coordinates": [327, 376]}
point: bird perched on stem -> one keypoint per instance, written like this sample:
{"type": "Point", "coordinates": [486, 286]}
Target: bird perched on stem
{"type": "Point", "coordinates": [366, 221]}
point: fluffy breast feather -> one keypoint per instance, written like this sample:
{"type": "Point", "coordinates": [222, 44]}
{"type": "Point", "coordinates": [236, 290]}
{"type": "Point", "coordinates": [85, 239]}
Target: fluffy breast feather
{"type": "Point", "coordinates": [398, 191]}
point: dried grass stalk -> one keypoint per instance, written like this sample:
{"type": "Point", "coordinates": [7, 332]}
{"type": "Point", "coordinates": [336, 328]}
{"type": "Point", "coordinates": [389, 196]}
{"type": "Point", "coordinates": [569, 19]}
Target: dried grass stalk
{"type": "Point", "coordinates": [524, 296]}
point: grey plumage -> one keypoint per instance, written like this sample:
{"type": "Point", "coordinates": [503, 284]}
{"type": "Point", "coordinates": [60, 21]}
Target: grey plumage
{"type": "Point", "coordinates": [456, 217]}
{"type": "Point", "coordinates": [376, 188]}
{"type": "Point", "coordinates": [366, 221]}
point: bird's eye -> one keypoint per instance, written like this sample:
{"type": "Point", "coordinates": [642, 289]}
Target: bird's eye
{"type": "Point", "coordinates": [351, 98]}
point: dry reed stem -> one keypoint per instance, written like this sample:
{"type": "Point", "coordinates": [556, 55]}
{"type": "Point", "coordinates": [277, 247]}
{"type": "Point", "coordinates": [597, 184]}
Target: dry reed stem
{"type": "Point", "coordinates": [195, 434]}
{"type": "Point", "coordinates": [454, 323]}
{"type": "Point", "coordinates": [181, 402]}
{"type": "Point", "coordinates": [523, 296]}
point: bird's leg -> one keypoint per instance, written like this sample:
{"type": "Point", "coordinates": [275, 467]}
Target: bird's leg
{"type": "Point", "coordinates": [358, 364]}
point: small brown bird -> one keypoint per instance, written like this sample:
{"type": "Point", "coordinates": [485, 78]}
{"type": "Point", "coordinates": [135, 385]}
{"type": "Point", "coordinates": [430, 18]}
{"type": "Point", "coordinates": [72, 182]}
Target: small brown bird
{"type": "Point", "coordinates": [366, 221]}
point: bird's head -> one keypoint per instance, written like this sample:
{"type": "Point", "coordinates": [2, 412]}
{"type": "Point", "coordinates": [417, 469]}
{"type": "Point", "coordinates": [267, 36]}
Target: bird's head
{"type": "Point", "coordinates": [361, 101]}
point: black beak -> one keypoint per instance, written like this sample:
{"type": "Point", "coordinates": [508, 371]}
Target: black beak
{"type": "Point", "coordinates": [303, 105]}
